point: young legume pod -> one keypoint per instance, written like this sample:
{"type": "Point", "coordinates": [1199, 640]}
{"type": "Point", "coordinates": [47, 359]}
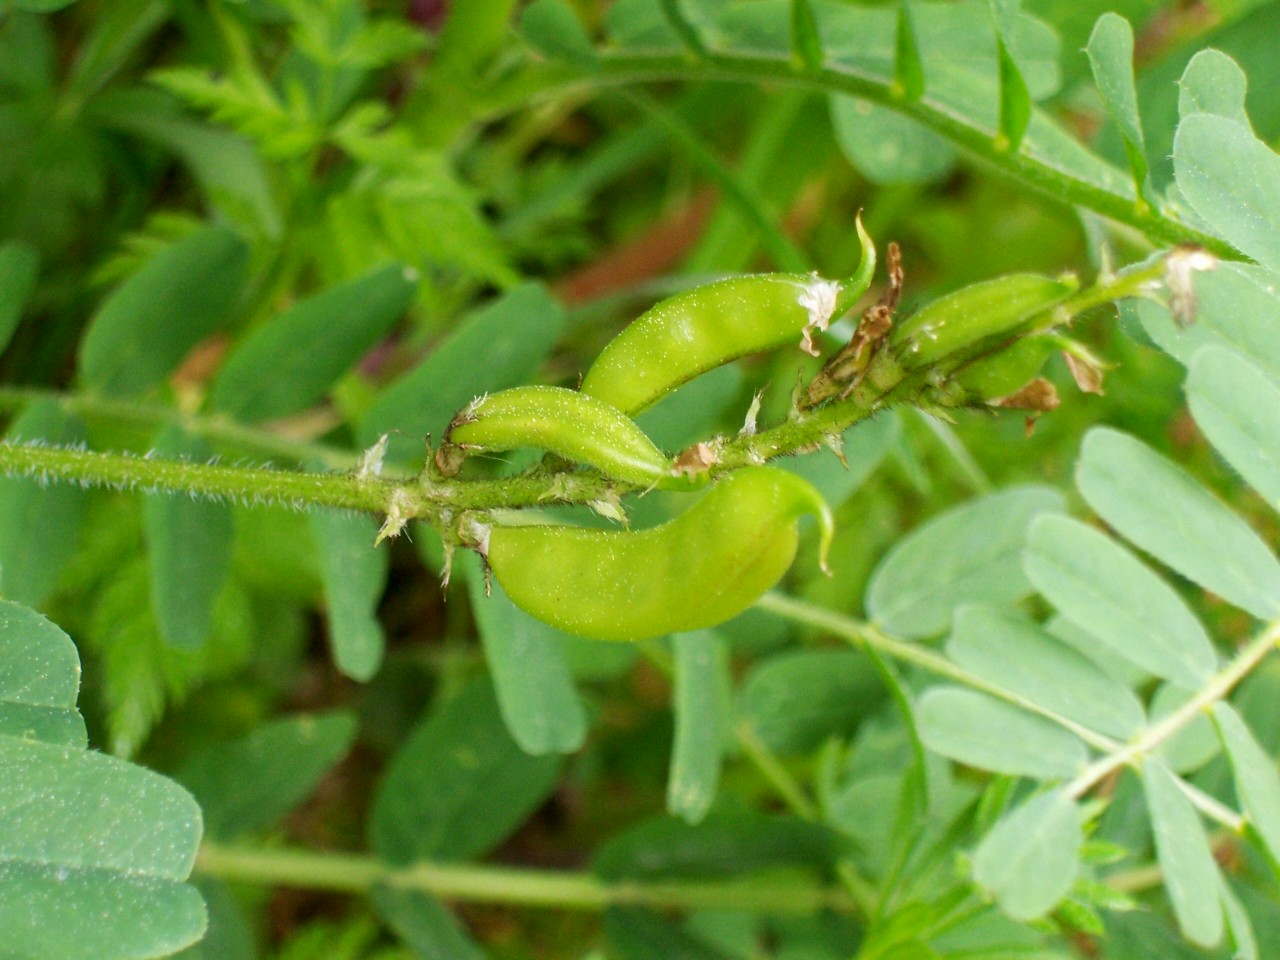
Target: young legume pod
{"type": "Point", "coordinates": [564, 422]}
{"type": "Point", "coordinates": [1004, 372]}
{"type": "Point", "coordinates": [952, 324]}
{"type": "Point", "coordinates": [693, 332]}
{"type": "Point", "coordinates": [702, 568]}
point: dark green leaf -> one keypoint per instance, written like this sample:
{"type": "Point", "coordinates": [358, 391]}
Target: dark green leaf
{"type": "Point", "coordinates": [18, 266]}
{"type": "Point", "coordinates": [1213, 83]}
{"type": "Point", "coordinates": [94, 854]}
{"type": "Point", "coordinates": [151, 321]}
{"type": "Point", "coordinates": [553, 29]}
{"type": "Point", "coordinates": [1010, 651]}
{"type": "Point", "coordinates": [291, 362]}
{"type": "Point", "coordinates": [1186, 859]}
{"type": "Point", "coordinates": [1015, 100]}
{"type": "Point", "coordinates": [39, 524]}
{"type": "Point", "coordinates": [1257, 783]}
{"type": "Point", "coordinates": [700, 703]}
{"type": "Point", "coordinates": [39, 679]}
{"type": "Point", "coordinates": [459, 784]}
{"type": "Point", "coordinates": [1030, 860]}
{"type": "Point", "coordinates": [539, 702]}
{"type": "Point", "coordinates": [354, 573]}
{"type": "Point", "coordinates": [908, 73]}
{"type": "Point", "coordinates": [248, 784]}
{"type": "Point", "coordinates": [795, 700]}
{"type": "Point", "coordinates": [1157, 505]}
{"type": "Point", "coordinates": [978, 730]}
{"type": "Point", "coordinates": [1238, 408]}
{"type": "Point", "coordinates": [970, 554]}
{"type": "Point", "coordinates": [806, 43]}
{"type": "Point", "coordinates": [189, 544]}
{"type": "Point", "coordinates": [1111, 56]}
{"type": "Point", "coordinates": [499, 346]}
{"type": "Point", "coordinates": [1098, 585]}
{"type": "Point", "coordinates": [1232, 179]}
{"type": "Point", "coordinates": [426, 925]}
{"type": "Point", "coordinates": [635, 933]}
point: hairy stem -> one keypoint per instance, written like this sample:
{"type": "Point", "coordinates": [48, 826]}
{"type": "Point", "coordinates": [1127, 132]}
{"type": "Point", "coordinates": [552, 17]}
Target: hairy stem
{"type": "Point", "coordinates": [354, 873]}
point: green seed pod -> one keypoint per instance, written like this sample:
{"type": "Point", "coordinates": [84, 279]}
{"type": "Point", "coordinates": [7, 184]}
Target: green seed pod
{"type": "Point", "coordinates": [696, 331]}
{"type": "Point", "coordinates": [702, 568]}
{"type": "Point", "coordinates": [954, 325]}
{"type": "Point", "coordinates": [1004, 372]}
{"type": "Point", "coordinates": [564, 422]}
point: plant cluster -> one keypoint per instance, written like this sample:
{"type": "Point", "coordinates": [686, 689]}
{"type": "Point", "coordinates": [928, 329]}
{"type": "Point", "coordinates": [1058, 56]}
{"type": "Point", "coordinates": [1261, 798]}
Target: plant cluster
{"type": "Point", "coordinates": [337, 498]}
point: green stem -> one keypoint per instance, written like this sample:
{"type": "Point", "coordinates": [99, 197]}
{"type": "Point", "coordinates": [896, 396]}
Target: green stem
{"type": "Point", "coordinates": [1040, 175]}
{"type": "Point", "coordinates": [353, 873]}
{"type": "Point", "coordinates": [1222, 684]}
{"type": "Point", "coordinates": [219, 430]}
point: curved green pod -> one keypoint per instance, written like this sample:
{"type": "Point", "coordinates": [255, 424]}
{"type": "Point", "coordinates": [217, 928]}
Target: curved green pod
{"type": "Point", "coordinates": [693, 332]}
{"type": "Point", "coordinates": [964, 319]}
{"type": "Point", "coordinates": [564, 422]}
{"type": "Point", "coordinates": [702, 568]}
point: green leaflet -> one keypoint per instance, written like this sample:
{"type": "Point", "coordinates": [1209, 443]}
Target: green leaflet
{"type": "Point", "coordinates": [149, 323]}
{"type": "Point", "coordinates": [291, 362]}
{"type": "Point", "coordinates": [1238, 408]}
{"type": "Point", "coordinates": [39, 525]}
{"type": "Point", "coordinates": [1098, 585]}
{"type": "Point", "coordinates": [701, 705]}
{"type": "Point", "coordinates": [969, 554]}
{"type": "Point", "coordinates": [83, 886]}
{"type": "Point", "coordinates": [248, 784]}
{"type": "Point", "coordinates": [536, 694]}
{"type": "Point", "coordinates": [976, 729]}
{"type": "Point", "coordinates": [1190, 874]}
{"type": "Point", "coordinates": [1031, 858]}
{"type": "Point", "coordinates": [1162, 509]}
{"type": "Point", "coordinates": [1012, 652]}
{"type": "Point", "coordinates": [39, 679]}
{"type": "Point", "coordinates": [18, 266]}
{"type": "Point", "coordinates": [459, 784]}
{"type": "Point", "coordinates": [1257, 783]}
{"type": "Point", "coordinates": [1111, 56]}
{"type": "Point", "coordinates": [499, 346]}
{"type": "Point", "coordinates": [354, 574]}
{"type": "Point", "coordinates": [189, 544]}
{"type": "Point", "coordinates": [425, 924]}
{"type": "Point", "coordinates": [1213, 83]}
{"type": "Point", "coordinates": [1232, 179]}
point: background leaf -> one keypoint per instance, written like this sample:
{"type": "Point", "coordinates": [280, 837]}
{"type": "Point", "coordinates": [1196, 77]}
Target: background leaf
{"type": "Point", "coordinates": [1111, 56]}
{"type": "Point", "coordinates": [19, 263]}
{"type": "Point", "coordinates": [354, 573]}
{"type": "Point", "coordinates": [459, 785]}
{"type": "Point", "coordinates": [39, 525]}
{"type": "Point", "coordinates": [535, 692]}
{"type": "Point", "coordinates": [292, 361]}
{"type": "Point", "coordinates": [189, 544]}
{"type": "Point", "coordinates": [149, 323]}
{"type": "Point", "coordinates": [248, 784]}
{"type": "Point", "coordinates": [969, 554]}
{"type": "Point", "coordinates": [1257, 782]}
{"type": "Point", "coordinates": [701, 706]}
{"type": "Point", "coordinates": [1213, 83]}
